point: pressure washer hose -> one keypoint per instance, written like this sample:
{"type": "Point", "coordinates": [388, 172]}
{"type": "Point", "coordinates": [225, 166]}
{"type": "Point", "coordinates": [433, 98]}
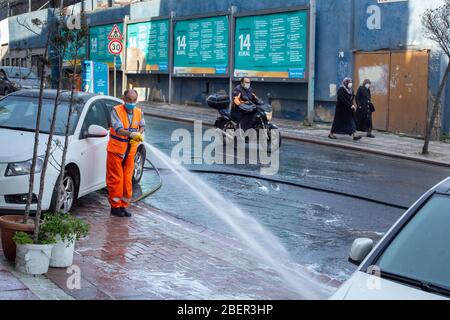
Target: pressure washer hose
{"type": "Point", "coordinates": [152, 191]}
{"type": "Point", "coordinates": [294, 184]}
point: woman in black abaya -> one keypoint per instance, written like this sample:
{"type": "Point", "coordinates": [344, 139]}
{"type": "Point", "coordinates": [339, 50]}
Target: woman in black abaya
{"type": "Point", "coordinates": [344, 116]}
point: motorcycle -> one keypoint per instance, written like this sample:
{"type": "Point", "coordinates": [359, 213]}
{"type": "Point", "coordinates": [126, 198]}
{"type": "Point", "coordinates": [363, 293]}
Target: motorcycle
{"type": "Point", "coordinates": [229, 126]}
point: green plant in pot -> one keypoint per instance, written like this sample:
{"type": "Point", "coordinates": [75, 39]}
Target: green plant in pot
{"type": "Point", "coordinates": [33, 257]}
{"type": "Point", "coordinates": [66, 229]}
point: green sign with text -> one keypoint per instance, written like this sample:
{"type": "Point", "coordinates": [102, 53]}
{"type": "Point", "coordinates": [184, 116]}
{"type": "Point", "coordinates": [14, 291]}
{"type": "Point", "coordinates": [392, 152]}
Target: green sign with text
{"type": "Point", "coordinates": [272, 46]}
{"type": "Point", "coordinates": [148, 46]}
{"type": "Point", "coordinates": [201, 46]}
{"type": "Point", "coordinates": [98, 45]}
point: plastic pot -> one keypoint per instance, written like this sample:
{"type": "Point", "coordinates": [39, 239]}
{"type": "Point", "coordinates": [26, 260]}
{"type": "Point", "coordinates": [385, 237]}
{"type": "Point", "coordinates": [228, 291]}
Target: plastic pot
{"type": "Point", "coordinates": [62, 253]}
{"type": "Point", "coordinates": [33, 258]}
{"type": "Point", "coordinates": [9, 224]}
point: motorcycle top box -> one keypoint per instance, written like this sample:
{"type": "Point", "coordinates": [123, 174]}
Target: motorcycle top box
{"type": "Point", "coordinates": [218, 101]}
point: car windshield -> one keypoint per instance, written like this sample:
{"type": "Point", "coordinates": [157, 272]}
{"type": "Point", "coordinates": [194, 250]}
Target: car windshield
{"type": "Point", "coordinates": [20, 113]}
{"type": "Point", "coordinates": [421, 251]}
{"type": "Point", "coordinates": [19, 73]}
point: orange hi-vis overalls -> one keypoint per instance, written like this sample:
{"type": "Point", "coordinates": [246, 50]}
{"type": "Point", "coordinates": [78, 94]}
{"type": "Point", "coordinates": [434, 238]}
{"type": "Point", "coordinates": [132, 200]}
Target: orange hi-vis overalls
{"type": "Point", "coordinates": [120, 159]}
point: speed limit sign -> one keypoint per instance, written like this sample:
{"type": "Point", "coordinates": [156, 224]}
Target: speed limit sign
{"type": "Point", "coordinates": [115, 47]}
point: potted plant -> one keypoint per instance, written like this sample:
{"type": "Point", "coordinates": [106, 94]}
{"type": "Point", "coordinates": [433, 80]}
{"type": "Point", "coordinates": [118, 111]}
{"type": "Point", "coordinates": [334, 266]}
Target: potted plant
{"type": "Point", "coordinates": [9, 225]}
{"type": "Point", "coordinates": [66, 229]}
{"type": "Point", "coordinates": [33, 257]}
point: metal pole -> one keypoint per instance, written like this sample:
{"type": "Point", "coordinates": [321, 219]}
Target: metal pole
{"type": "Point", "coordinates": [233, 11]}
{"type": "Point", "coordinates": [172, 16]}
{"type": "Point", "coordinates": [124, 56]}
{"type": "Point", "coordinates": [29, 5]}
{"type": "Point", "coordinates": [312, 62]}
{"type": "Point", "coordinates": [115, 89]}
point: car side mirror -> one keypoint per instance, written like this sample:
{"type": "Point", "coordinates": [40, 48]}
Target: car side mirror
{"type": "Point", "coordinates": [96, 131]}
{"type": "Point", "coordinates": [361, 247]}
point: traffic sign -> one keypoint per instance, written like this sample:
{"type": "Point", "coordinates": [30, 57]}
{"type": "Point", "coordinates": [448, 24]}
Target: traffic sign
{"type": "Point", "coordinates": [115, 47]}
{"type": "Point", "coordinates": [115, 33]}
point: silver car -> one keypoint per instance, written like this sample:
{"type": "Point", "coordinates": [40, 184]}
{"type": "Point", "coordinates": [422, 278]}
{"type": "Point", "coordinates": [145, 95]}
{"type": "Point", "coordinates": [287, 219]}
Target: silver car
{"type": "Point", "coordinates": [17, 78]}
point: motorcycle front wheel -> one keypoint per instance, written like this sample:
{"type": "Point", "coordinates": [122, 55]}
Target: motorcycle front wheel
{"type": "Point", "coordinates": [227, 129]}
{"type": "Point", "coordinates": [265, 141]}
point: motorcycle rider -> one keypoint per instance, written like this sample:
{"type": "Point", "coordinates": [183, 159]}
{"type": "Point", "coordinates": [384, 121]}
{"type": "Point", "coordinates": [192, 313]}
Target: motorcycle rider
{"type": "Point", "coordinates": [244, 101]}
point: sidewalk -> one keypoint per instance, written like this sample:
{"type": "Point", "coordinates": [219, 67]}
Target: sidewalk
{"type": "Point", "coordinates": [156, 256]}
{"type": "Point", "coordinates": [386, 144]}
{"type": "Point", "coordinates": [13, 289]}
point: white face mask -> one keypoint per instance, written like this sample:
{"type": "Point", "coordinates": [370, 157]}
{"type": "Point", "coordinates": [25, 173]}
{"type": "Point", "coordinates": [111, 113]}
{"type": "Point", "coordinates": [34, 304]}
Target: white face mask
{"type": "Point", "coordinates": [350, 85]}
{"type": "Point", "coordinates": [246, 86]}
{"type": "Point", "coordinates": [367, 86]}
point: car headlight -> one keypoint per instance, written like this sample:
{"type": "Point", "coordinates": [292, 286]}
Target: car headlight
{"type": "Point", "coordinates": [24, 167]}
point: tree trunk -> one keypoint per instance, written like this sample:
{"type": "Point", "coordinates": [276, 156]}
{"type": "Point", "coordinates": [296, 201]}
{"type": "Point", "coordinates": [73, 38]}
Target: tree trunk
{"type": "Point", "coordinates": [36, 135]}
{"type": "Point", "coordinates": [437, 103]}
{"type": "Point", "coordinates": [59, 183]}
{"type": "Point", "coordinates": [48, 148]}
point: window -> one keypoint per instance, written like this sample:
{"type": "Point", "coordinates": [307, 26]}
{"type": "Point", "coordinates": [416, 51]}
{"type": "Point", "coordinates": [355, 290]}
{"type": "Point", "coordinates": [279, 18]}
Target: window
{"type": "Point", "coordinates": [7, 61]}
{"type": "Point", "coordinates": [110, 104]}
{"type": "Point", "coordinates": [20, 113]}
{"type": "Point", "coordinates": [421, 250]}
{"type": "Point", "coordinates": [35, 63]}
{"type": "Point", "coordinates": [23, 62]}
{"type": "Point", "coordinates": [13, 61]}
{"type": "Point", "coordinates": [96, 115]}
{"type": "Point", "coordinates": [3, 62]}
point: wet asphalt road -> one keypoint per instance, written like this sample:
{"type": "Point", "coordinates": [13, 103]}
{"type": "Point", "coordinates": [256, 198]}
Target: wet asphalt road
{"type": "Point", "coordinates": [316, 228]}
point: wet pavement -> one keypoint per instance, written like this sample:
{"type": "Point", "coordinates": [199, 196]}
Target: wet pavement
{"type": "Point", "coordinates": [156, 256]}
{"type": "Point", "coordinates": [316, 228]}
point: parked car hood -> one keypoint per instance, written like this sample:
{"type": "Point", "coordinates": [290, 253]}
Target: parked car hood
{"type": "Point", "coordinates": [362, 286]}
{"type": "Point", "coordinates": [18, 145]}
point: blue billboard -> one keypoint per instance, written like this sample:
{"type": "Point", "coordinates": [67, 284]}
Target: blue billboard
{"type": "Point", "coordinates": [95, 77]}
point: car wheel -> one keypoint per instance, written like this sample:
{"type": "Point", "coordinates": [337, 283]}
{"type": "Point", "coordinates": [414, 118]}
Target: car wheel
{"type": "Point", "coordinates": [139, 161]}
{"type": "Point", "coordinates": [68, 194]}
{"type": "Point", "coordinates": [6, 92]}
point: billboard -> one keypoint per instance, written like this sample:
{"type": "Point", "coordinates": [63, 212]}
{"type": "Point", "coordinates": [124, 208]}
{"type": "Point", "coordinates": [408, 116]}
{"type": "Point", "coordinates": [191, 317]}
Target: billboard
{"type": "Point", "coordinates": [74, 47]}
{"type": "Point", "coordinates": [272, 46]}
{"type": "Point", "coordinates": [148, 46]}
{"type": "Point", "coordinates": [98, 44]}
{"type": "Point", "coordinates": [95, 77]}
{"type": "Point", "coordinates": [201, 47]}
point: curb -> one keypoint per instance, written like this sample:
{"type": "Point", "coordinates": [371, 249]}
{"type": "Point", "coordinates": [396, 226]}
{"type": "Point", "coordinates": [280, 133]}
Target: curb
{"type": "Point", "coordinates": [324, 143]}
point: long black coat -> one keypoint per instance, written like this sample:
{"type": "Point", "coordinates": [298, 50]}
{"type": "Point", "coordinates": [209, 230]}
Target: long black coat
{"type": "Point", "coordinates": [364, 109]}
{"type": "Point", "coordinates": [344, 118]}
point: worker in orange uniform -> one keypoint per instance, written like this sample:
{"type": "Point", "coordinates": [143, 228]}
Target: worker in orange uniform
{"type": "Point", "coordinates": [127, 126]}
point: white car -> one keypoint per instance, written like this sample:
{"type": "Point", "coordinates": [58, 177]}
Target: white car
{"type": "Point", "coordinates": [85, 169]}
{"type": "Point", "coordinates": [412, 261]}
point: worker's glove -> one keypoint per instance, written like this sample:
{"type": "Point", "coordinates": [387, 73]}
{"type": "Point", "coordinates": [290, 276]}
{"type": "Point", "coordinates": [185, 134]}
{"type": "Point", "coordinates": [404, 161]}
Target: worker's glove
{"type": "Point", "coordinates": [136, 137]}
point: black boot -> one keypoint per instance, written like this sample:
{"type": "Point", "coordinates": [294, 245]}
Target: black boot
{"type": "Point", "coordinates": [117, 212]}
{"type": "Point", "coordinates": [125, 212]}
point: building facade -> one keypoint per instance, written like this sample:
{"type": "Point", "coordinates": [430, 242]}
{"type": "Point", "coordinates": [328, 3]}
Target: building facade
{"type": "Point", "coordinates": [382, 40]}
